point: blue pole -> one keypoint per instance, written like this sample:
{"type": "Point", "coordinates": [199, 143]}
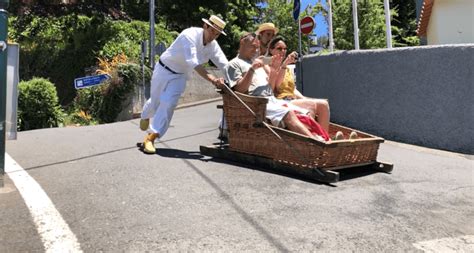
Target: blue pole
{"type": "Point", "coordinates": [3, 82]}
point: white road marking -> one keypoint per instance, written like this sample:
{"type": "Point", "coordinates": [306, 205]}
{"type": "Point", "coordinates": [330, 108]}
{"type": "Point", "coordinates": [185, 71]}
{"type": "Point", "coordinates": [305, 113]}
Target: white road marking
{"type": "Point", "coordinates": [446, 245]}
{"type": "Point", "coordinates": [53, 230]}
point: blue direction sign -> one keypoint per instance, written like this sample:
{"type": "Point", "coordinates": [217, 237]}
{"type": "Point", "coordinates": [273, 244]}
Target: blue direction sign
{"type": "Point", "coordinates": [89, 81]}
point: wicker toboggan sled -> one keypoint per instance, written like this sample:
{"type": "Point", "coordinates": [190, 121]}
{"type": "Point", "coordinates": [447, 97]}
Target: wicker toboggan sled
{"type": "Point", "coordinates": [251, 140]}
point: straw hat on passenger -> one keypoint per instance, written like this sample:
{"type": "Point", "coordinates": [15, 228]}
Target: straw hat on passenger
{"type": "Point", "coordinates": [267, 26]}
{"type": "Point", "coordinates": [216, 23]}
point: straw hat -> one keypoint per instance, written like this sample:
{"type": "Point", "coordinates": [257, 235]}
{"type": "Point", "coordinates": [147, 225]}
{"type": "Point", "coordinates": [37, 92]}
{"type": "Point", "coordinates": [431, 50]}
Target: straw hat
{"type": "Point", "coordinates": [216, 23]}
{"type": "Point", "coordinates": [267, 26]}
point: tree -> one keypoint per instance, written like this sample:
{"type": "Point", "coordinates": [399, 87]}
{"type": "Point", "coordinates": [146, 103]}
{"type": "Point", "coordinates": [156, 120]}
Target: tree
{"type": "Point", "coordinates": [280, 13]}
{"type": "Point", "coordinates": [370, 16]}
{"type": "Point", "coordinates": [404, 23]}
{"type": "Point", "coordinates": [240, 15]}
{"type": "Point", "coordinates": [371, 19]}
{"type": "Point", "coordinates": [323, 41]}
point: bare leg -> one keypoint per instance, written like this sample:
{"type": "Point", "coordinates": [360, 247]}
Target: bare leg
{"type": "Point", "coordinates": [317, 107]}
{"type": "Point", "coordinates": [295, 125]}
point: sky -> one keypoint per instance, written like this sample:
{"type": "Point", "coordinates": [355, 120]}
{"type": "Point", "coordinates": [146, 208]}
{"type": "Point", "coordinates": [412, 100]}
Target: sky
{"type": "Point", "coordinates": [321, 26]}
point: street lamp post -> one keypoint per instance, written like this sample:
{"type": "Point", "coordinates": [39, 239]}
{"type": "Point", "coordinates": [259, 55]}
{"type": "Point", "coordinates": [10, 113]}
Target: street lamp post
{"type": "Point", "coordinates": [331, 39]}
{"type": "Point", "coordinates": [388, 26]}
{"type": "Point", "coordinates": [3, 82]}
{"type": "Point", "coordinates": [356, 24]}
{"type": "Point", "coordinates": [152, 33]}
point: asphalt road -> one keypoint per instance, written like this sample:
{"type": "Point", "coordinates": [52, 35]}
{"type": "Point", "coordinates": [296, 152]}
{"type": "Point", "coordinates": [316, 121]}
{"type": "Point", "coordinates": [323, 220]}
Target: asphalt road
{"type": "Point", "coordinates": [114, 198]}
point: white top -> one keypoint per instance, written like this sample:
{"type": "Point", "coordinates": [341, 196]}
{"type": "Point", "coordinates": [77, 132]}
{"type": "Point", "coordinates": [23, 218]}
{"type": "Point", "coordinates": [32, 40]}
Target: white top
{"type": "Point", "coordinates": [259, 85]}
{"type": "Point", "coordinates": [188, 51]}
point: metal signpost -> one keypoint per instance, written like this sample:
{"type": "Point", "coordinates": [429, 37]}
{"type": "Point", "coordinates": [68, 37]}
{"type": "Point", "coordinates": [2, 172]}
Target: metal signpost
{"type": "Point", "coordinates": [331, 39]}
{"type": "Point", "coordinates": [143, 57]}
{"type": "Point", "coordinates": [388, 26]}
{"type": "Point", "coordinates": [89, 81]}
{"type": "Point", "coordinates": [296, 15]}
{"type": "Point", "coordinates": [152, 33]}
{"type": "Point", "coordinates": [3, 83]}
{"type": "Point", "coordinates": [306, 26]}
{"type": "Point", "coordinates": [356, 24]}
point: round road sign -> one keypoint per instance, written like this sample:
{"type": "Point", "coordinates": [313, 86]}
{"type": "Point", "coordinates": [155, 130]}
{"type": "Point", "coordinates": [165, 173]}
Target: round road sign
{"type": "Point", "coordinates": [307, 25]}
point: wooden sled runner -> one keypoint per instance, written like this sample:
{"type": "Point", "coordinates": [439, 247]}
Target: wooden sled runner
{"type": "Point", "coordinates": [253, 141]}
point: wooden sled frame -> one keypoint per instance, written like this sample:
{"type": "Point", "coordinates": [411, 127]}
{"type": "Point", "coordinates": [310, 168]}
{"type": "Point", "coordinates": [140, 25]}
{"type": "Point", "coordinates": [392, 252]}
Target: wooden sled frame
{"type": "Point", "coordinates": [327, 175]}
{"type": "Point", "coordinates": [253, 141]}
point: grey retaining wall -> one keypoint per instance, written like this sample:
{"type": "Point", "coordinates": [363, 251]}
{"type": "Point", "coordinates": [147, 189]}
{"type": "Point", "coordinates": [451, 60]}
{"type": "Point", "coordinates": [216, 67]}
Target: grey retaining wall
{"type": "Point", "coordinates": [417, 95]}
{"type": "Point", "coordinates": [197, 89]}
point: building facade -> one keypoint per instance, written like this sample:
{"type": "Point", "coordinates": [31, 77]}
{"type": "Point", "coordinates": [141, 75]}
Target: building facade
{"type": "Point", "coordinates": [446, 21]}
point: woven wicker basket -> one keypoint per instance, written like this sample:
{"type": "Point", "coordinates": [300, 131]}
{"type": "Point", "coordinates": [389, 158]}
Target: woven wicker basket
{"type": "Point", "coordinates": [248, 134]}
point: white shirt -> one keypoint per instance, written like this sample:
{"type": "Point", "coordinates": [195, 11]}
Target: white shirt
{"type": "Point", "coordinates": [259, 85]}
{"type": "Point", "coordinates": [188, 51]}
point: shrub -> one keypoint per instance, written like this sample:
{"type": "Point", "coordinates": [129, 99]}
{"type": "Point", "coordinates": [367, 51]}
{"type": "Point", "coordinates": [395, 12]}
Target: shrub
{"type": "Point", "coordinates": [77, 117]}
{"type": "Point", "coordinates": [105, 102]}
{"type": "Point", "coordinates": [38, 105]}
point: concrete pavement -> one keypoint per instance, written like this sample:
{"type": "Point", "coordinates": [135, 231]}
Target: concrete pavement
{"type": "Point", "coordinates": [115, 198]}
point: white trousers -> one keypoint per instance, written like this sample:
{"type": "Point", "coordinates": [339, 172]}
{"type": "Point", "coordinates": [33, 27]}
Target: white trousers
{"type": "Point", "coordinates": [278, 108]}
{"type": "Point", "coordinates": [166, 89]}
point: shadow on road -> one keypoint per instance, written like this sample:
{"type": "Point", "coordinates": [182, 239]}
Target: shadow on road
{"type": "Point", "coordinates": [177, 153]}
{"type": "Point", "coordinates": [356, 172]}
{"type": "Point", "coordinates": [170, 152]}
{"type": "Point", "coordinates": [344, 174]}
{"type": "Point", "coordinates": [266, 170]}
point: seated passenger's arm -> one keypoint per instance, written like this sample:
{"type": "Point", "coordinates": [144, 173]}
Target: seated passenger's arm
{"type": "Point", "coordinates": [276, 78]}
{"type": "Point", "coordinates": [279, 70]}
{"type": "Point", "coordinates": [298, 94]}
{"type": "Point", "coordinates": [276, 74]}
{"type": "Point", "coordinates": [243, 82]}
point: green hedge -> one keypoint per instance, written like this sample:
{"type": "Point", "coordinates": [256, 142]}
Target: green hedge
{"type": "Point", "coordinates": [62, 48]}
{"type": "Point", "coordinates": [38, 105]}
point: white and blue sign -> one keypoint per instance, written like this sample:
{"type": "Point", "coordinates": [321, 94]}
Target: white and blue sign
{"type": "Point", "coordinates": [89, 81]}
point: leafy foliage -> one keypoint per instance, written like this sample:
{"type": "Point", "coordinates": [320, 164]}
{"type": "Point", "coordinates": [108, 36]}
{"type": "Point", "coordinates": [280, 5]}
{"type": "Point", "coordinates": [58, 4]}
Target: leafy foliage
{"type": "Point", "coordinates": [107, 67]}
{"type": "Point", "coordinates": [62, 48]}
{"type": "Point", "coordinates": [104, 103]}
{"type": "Point", "coordinates": [404, 23]}
{"type": "Point", "coordinates": [279, 13]}
{"type": "Point", "coordinates": [371, 23]}
{"type": "Point", "coordinates": [371, 19]}
{"type": "Point", "coordinates": [38, 105]}
{"type": "Point", "coordinates": [239, 15]}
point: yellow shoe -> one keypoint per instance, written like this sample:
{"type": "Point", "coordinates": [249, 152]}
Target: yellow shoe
{"type": "Point", "coordinates": [149, 144]}
{"type": "Point", "coordinates": [149, 147]}
{"type": "Point", "coordinates": [144, 123]}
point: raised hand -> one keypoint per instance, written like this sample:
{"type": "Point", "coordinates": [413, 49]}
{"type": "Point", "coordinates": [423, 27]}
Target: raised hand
{"type": "Point", "coordinates": [291, 58]}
